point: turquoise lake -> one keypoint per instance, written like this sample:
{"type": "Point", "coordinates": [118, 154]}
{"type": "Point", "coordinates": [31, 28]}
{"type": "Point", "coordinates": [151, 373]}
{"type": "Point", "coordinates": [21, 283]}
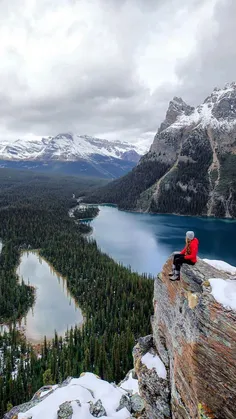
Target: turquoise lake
{"type": "Point", "coordinates": [144, 241]}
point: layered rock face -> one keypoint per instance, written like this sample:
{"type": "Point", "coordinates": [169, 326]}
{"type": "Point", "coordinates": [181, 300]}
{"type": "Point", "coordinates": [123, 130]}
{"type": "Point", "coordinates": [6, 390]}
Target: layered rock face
{"type": "Point", "coordinates": [194, 336]}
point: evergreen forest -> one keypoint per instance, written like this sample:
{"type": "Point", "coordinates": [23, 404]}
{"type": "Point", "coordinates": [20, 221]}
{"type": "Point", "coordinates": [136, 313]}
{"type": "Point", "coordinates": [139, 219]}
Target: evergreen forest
{"type": "Point", "coordinates": [116, 303]}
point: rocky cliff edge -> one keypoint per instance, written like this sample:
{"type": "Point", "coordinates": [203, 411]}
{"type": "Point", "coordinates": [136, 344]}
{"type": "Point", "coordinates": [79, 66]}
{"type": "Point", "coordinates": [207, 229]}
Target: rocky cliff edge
{"type": "Point", "coordinates": [187, 368]}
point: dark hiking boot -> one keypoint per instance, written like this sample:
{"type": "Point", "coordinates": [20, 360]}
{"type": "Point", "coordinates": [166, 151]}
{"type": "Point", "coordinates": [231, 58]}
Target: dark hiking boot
{"type": "Point", "coordinates": [173, 271]}
{"type": "Point", "coordinates": [175, 277]}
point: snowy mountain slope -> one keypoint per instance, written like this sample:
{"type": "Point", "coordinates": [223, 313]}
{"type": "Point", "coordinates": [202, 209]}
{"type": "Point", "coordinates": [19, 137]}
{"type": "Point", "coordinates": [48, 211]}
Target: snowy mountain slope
{"type": "Point", "coordinates": [68, 147]}
{"type": "Point", "coordinates": [71, 154]}
{"type": "Point", "coordinates": [191, 165]}
{"type": "Point", "coordinates": [217, 111]}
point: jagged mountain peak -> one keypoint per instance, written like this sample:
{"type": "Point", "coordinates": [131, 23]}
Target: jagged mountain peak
{"type": "Point", "coordinates": [177, 107]}
{"type": "Point", "coordinates": [217, 111]}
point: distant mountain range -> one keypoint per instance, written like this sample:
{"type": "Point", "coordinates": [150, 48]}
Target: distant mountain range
{"type": "Point", "coordinates": [191, 165]}
{"type": "Point", "coordinates": [71, 154]}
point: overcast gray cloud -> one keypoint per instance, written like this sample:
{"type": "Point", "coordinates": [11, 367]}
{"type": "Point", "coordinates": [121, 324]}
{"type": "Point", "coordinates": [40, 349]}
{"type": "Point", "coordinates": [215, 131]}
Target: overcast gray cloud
{"type": "Point", "coordinates": [109, 68]}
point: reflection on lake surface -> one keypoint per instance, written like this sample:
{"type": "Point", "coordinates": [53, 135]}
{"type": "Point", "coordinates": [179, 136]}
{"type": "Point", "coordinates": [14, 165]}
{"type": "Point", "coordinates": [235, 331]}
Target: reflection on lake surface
{"type": "Point", "coordinates": [54, 308]}
{"type": "Point", "coordinates": [145, 241]}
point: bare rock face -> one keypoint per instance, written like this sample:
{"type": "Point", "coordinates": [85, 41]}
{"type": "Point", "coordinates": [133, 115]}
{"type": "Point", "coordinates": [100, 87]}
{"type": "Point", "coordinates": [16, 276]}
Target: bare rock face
{"type": "Point", "coordinates": [177, 107]}
{"type": "Point", "coordinates": [195, 338]}
{"type": "Point", "coordinates": [153, 389]}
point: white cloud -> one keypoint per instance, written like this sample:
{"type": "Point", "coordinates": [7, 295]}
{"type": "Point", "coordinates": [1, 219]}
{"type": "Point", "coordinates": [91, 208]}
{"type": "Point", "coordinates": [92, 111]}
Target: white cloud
{"type": "Point", "coordinates": [102, 68]}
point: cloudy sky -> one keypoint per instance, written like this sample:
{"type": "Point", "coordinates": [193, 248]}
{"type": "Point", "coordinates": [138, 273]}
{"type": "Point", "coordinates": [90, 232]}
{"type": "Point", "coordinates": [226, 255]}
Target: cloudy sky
{"type": "Point", "coordinates": [109, 67]}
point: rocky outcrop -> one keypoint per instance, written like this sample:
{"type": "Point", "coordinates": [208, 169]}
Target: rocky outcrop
{"type": "Point", "coordinates": [153, 389]}
{"type": "Point", "coordinates": [194, 336]}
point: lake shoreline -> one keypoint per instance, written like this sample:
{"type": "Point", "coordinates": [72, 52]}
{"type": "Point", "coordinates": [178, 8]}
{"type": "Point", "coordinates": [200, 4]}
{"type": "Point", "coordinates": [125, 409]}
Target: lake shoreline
{"type": "Point", "coordinates": [19, 323]}
{"type": "Point", "coordinates": [104, 204]}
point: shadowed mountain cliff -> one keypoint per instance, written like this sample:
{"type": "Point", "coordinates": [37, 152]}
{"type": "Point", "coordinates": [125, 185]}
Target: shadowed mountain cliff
{"type": "Point", "coordinates": [191, 165]}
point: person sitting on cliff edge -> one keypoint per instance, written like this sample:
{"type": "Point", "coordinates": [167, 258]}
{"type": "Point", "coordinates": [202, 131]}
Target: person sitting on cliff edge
{"type": "Point", "coordinates": [187, 255]}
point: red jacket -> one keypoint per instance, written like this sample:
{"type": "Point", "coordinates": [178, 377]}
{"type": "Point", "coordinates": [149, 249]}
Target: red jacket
{"type": "Point", "coordinates": [193, 251]}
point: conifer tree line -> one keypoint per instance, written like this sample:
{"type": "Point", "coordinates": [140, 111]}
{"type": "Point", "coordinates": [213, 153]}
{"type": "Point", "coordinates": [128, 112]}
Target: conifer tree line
{"type": "Point", "coordinates": [116, 303]}
{"type": "Point", "coordinates": [86, 212]}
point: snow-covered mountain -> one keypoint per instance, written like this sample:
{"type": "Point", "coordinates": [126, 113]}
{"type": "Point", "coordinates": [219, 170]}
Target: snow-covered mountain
{"type": "Point", "coordinates": [87, 155]}
{"type": "Point", "coordinates": [68, 147]}
{"type": "Point", "coordinates": [217, 111]}
{"type": "Point", "coordinates": [191, 165]}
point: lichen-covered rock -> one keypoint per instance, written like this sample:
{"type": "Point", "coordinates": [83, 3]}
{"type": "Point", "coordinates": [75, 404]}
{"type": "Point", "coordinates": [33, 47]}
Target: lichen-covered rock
{"type": "Point", "coordinates": [65, 411]}
{"type": "Point", "coordinates": [145, 343]}
{"type": "Point", "coordinates": [153, 389]}
{"type": "Point", "coordinates": [13, 413]}
{"type": "Point", "coordinates": [97, 409]}
{"type": "Point", "coordinates": [39, 394]}
{"type": "Point", "coordinates": [124, 402]}
{"type": "Point", "coordinates": [195, 337]}
{"type": "Point", "coordinates": [137, 404]}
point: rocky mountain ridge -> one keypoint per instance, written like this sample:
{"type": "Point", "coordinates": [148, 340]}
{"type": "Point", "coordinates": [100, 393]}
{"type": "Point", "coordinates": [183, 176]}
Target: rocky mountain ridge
{"type": "Point", "coordinates": [71, 154]}
{"type": "Point", "coordinates": [191, 165]}
{"type": "Point", "coordinates": [68, 147]}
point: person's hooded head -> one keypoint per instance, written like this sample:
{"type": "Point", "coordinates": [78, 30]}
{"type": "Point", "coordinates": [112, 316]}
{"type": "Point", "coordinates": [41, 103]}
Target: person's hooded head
{"type": "Point", "coordinates": [189, 235]}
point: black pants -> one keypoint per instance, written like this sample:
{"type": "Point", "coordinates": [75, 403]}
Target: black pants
{"type": "Point", "coordinates": [179, 260]}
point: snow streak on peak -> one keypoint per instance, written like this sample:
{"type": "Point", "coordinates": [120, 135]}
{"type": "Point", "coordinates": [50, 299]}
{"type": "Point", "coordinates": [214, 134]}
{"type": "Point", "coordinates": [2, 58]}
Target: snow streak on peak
{"type": "Point", "coordinates": [217, 111]}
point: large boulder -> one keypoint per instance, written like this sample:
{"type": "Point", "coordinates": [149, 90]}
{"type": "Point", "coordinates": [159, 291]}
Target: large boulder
{"type": "Point", "coordinates": [194, 335]}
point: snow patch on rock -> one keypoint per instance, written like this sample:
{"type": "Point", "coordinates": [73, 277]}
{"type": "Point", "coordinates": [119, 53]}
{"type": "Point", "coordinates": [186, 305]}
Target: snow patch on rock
{"type": "Point", "coordinates": [130, 384]}
{"type": "Point", "coordinates": [221, 266]}
{"type": "Point", "coordinates": [224, 292]}
{"type": "Point", "coordinates": [153, 361]}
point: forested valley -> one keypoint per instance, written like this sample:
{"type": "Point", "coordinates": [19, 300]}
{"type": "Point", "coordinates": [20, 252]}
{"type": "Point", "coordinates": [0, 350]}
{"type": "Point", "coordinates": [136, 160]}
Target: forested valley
{"type": "Point", "coordinates": [116, 303]}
